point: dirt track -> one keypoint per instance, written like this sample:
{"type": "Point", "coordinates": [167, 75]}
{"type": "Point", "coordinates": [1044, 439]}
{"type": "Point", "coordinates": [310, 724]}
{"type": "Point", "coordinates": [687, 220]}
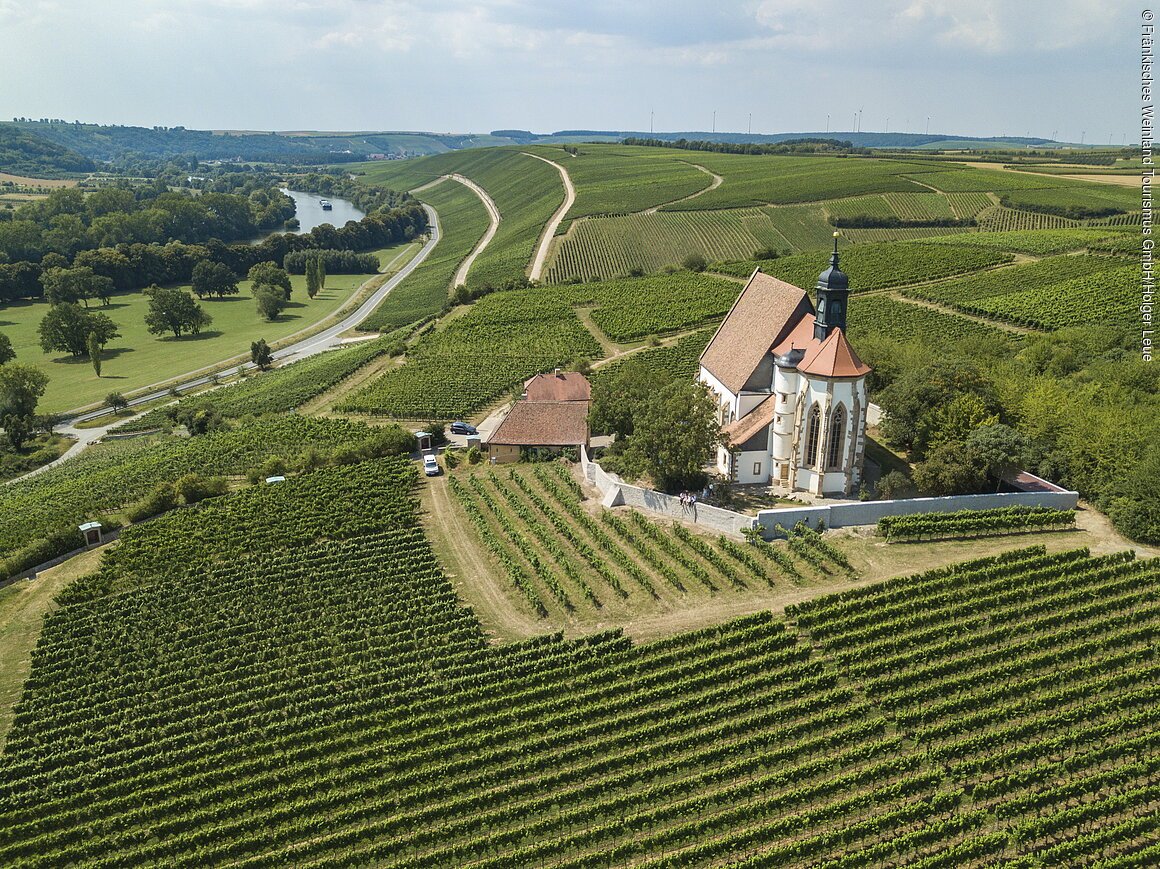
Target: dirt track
{"type": "Point", "coordinates": [557, 218]}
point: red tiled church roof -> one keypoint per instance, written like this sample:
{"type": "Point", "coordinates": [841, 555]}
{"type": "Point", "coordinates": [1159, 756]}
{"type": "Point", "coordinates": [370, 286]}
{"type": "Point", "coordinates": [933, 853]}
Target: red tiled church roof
{"type": "Point", "coordinates": [560, 386]}
{"type": "Point", "coordinates": [833, 357]}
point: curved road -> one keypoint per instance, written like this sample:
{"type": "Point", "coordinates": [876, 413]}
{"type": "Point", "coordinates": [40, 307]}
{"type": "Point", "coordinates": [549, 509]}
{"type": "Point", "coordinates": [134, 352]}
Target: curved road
{"type": "Point", "coordinates": [493, 216]}
{"type": "Point", "coordinates": [557, 218]}
{"type": "Point", "coordinates": [309, 346]}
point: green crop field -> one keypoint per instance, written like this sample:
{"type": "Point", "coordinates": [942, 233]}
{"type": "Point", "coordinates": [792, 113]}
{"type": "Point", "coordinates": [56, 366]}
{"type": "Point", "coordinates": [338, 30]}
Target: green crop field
{"type": "Point", "coordinates": [970, 179]}
{"type": "Point", "coordinates": [1107, 296]}
{"type": "Point", "coordinates": [760, 180]}
{"type": "Point", "coordinates": [998, 282]}
{"type": "Point", "coordinates": [968, 205]}
{"type": "Point", "coordinates": [881, 316]}
{"type": "Point", "coordinates": [609, 246]}
{"type": "Point", "coordinates": [286, 675]}
{"type": "Point", "coordinates": [104, 479]}
{"type": "Point", "coordinates": [876, 266]}
{"type": "Point", "coordinates": [803, 227]}
{"type": "Point", "coordinates": [463, 221]}
{"type": "Point", "coordinates": [138, 359]}
{"type": "Point", "coordinates": [502, 339]}
{"type": "Point", "coordinates": [564, 563]}
{"type": "Point", "coordinates": [680, 360]}
{"type": "Point", "coordinates": [625, 180]}
{"type": "Point", "coordinates": [1035, 242]}
{"type": "Point", "coordinates": [1091, 196]}
{"type": "Point", "coordinates": [507, 337]}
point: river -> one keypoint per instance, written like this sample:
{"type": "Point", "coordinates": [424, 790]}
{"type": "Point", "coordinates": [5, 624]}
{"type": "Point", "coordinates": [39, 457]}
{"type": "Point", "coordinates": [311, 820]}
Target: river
{"type": "Point", "coordinates": [310, 214]}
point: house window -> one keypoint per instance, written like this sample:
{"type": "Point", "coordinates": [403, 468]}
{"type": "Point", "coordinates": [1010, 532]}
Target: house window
{"type": "Point", "coordinates": [757, 469]}
{"type": "Point", "coordinates": [813, 430]}
{"type": "Point", "coordinates": [837, 436]}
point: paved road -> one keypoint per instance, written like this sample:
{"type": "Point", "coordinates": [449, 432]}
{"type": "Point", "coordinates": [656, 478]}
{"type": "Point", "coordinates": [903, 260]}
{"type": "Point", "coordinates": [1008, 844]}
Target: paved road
{"type": "Point", "coordinates": [317, 343]}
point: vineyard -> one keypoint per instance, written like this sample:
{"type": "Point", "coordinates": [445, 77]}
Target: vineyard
{"type": "Point", "coordinates": [1030, 681]}
{"type": "Point", "coordinates": [625, 180]}
{"type": "Point", "coordinates": [974, 523]}
{"type": "Point", "coordinates": [882, 316]}
{"type": "Point", "coordinates": [507, 337]}
{"type": "Point", "coordinates": [876, 266]}
{"type": "Point", "coordinates": [1106, 296]}
{"type": "Point", "coordinates": [105, 479]}
{"type": "Point", "coordinates": [681, 360]}
{"type": "Point", "coordinates": [565, 562]}
{"type": "Point", "coordinates": [999, 282]}
{"type": "Point", "coordinates": [999, 219]}
{"type": "Point", "coordinates": [285, 676]}
{"type": "Point", "coordinates": [763, 180]}
{"type": "Point", "coordinates": [610, 246]}
{"type": "Point", "coordinates": [424, 293]}
{"type": "Point", "coordinates": [502, 339]}
{"type": "Point", "coordinates": [1036, 242]}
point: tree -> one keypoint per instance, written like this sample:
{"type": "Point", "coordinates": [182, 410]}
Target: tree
{"type": "Point", "coordinates": [116, 401]}
{"type": "Point", "coordinates": [260, 354]}
{"type": "Point", "coordinates": [94, 348]}
{"type": "Point", "coordinates": [193, 487]}
{"type": "Point", "coordinates": [21, 387]}
{"type": "Point", "coordinates": [198, 417]}
{"type": "Point", "coordinates": [270, 274]}
{"type": "Point", "coordinates": [7, 354]}
{"type": "Point", "coordinates": [67, 328]}
{"type": "Point", "coordinates": [313, 283]}
{"type": "Point", "coordinates": [916, 404]}
{"type": "Point", "coordinates": [214, 279]}
{"type": "Point", "coordinates": [894, 484]}
{"type": "Point", "coordinates": [999, 450]}
{"type": "Point", "coordinates": [949, 469]}
{"type": "Point", "coordinates": [174, 310]}
{"type": "Point", "coordinates": [271, 301]}
{"type": "Point", "coordinates": [675, 434]}
{"type": "Point", "coordinates": [62, 286]}
{"type": "Point", "coordinates": [617, 398]}
{"type": "Point", "coordinates": [694, 262]}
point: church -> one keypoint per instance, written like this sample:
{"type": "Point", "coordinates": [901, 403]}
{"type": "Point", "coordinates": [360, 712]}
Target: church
{"type": "Point", "coordinates": [790, 389]}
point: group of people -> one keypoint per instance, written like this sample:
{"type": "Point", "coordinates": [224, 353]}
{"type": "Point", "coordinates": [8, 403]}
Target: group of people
{"type": "Point", "coordinates": [688, 500]}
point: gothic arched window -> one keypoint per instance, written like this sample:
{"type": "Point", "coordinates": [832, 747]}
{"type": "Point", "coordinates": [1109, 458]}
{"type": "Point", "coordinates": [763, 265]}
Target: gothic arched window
{"type": "Point", "coordinates": [813, 430]}
{"type": "Point", "coordinates": [837, 436]}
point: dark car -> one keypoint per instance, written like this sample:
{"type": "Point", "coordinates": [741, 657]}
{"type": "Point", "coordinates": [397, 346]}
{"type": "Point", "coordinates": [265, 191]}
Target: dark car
{"type": "Point", "coordinates": [461, 427]}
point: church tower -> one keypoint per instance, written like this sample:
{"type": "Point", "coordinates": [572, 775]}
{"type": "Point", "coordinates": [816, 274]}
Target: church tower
{"type": "Point", "coordinates": [833, 294]}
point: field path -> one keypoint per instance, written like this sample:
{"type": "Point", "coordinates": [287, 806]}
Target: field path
{"type": "Point", "coordinates": [468, 565]}
{"type": "Point", "coordinates": [493, 216]}
{"type": "Point", "coordinates": [713, 185]}
{"type": "Point", "coordinates": [557, 218]}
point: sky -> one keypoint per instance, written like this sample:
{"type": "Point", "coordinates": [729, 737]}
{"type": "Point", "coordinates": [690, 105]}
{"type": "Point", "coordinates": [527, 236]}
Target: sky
{"type": "Point", "coordinates": [973, 67]}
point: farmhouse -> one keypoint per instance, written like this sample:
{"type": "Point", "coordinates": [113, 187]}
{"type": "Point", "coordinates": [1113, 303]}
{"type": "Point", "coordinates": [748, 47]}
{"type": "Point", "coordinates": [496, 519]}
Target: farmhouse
{"type": "Point", "coordinates": [551, 415]}
{"type": "Point", "coordinates": [791, 390]}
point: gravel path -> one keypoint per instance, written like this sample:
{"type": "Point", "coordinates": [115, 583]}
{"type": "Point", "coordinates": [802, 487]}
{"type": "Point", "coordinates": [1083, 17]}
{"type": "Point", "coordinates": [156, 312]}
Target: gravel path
{"type": "Point", "coordinates": [557, 218]}
{"type": "Point", "coordinates": [493, 215]}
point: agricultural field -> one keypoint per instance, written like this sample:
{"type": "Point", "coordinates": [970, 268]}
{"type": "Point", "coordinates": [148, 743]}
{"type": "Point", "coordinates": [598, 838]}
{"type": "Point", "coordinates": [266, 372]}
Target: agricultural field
{"type": "Point", "coordinates": [1034, 242]}
{"type": "Point", "coordinates": [998, 282]}
{"type": "Point", "coordinates": [803, 227]}
{"type": "Point", "coordinates": [680, 359]}
{"type": "Point", "coordinates": [626, 180]}
{"type": "Point", "coordinates": [882, 316]}
{"type": "Point", "coordinates": [104, 479]}
{"type": "Point", "coordinates": [282, 389]}
{"type": "Point", "coordinates": [763, 180]}
{"type": "Point", "coordinates": [1089, 196]}
{"type": "Point", "coordinates": [991, 710]}
{"type": "Point", "coordinates": [473, 359]}
{"type": "Point", "coordinates": [138, 359]}
{"type": "Point", "coordinates": [999, 219]}
{"type": "Point", "coordinates": [565, 563]}
{"type": "Point", "coordinates": [877, 266]}
{"type": "Point", "coordinates": [968, 205]}
{"type": "Point", "coordinates": [425, 292]}
{"type": "Point", "coordinates": [975, 180]}
{"type": "Point", "coordinates": [521, 333]}
{"type": "Point", "coordinates": [1108, 296]}
{"type": "Point", "coordinates": [601, 248]}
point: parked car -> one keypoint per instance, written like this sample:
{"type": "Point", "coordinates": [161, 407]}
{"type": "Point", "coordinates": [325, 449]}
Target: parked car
{"type": "Point", "coordinates": [461, 427]}
{"type": "Point", "coordinates": [430, 466]}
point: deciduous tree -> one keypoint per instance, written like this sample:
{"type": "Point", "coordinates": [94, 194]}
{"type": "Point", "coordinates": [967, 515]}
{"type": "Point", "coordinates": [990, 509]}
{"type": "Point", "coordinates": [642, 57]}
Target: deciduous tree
{"type": "Point", "coordinates": [270, 300]}
{"type": "Point", "coordinates": [67, 328]}
{"type": "Point", "coordinates": [21, 387]}
{"type": "Point", "coordinates": [214, 279]}
{"type": "Point", "coordinates": [174, 310]}
{"type": "Point", "coordinates": [260, 354]}
{"type": "Point", "coordinates": [270, 274]}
